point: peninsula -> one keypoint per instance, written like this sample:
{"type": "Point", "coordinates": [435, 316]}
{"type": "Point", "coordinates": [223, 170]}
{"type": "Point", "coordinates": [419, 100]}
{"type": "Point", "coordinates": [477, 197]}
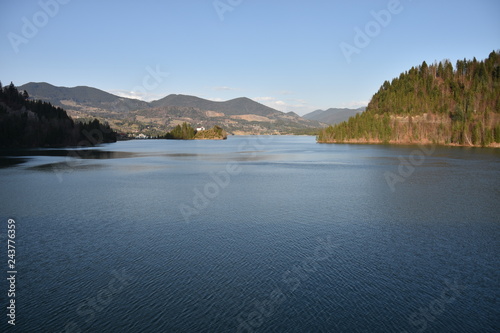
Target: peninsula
{"type": "Point", "coordinates": [435, 104]}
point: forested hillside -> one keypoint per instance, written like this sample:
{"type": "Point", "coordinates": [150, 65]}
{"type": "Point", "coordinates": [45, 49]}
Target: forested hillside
{"type": "Point", "coordinates": [186, 132]}
{"type": "Point", "coordinates": [237, 116]}
{"type": "Point", "coordinates": [33, 123]}
{"type": "Point", "coordinates": [431, 104]}
{"type": "Point", "coordinates": [333, 116]}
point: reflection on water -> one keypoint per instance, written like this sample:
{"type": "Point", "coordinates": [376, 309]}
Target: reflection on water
{"type": "Point", "coordinates": [70, 153]}
{"type": "Point", "coordinates": [6, 162]}
{"type": "Point", "coordinates": [12, 157]}
{"type": "Point", "coordinates": [253, 235]}
{"type": "Point", "coordinates": [65, 167]}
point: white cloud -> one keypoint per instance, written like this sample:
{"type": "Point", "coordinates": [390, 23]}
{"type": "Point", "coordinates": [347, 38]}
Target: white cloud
{"type": "Point", "coordinates": [272, 102]}
{"type": "Point", "coordinates": [127, 94]}
{"type": "Point", "coordinates": [223, 88]}
{"type": "Point", "coordinates": [298, 106]}
{"type": "Point", "coordinates": [354, 104]}
{"type": "Point", "coordinates": [265, 99]}
{"type": "Point", "coordinates": [147, 97]}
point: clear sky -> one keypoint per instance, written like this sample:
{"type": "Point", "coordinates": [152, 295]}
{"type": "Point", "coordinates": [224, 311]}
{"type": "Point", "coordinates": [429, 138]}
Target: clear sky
{"type": "Point", "coordinates": [293, 55]}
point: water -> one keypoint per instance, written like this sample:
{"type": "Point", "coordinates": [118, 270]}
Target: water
{"type": "Point", "coordinates": [254, 234]}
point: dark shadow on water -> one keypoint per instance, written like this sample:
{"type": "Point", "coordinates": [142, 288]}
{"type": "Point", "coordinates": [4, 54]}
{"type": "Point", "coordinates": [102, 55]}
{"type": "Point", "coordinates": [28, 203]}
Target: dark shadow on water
{"type": "Point", "coordinates": [100, 154]}
{"type": "Point", "coordinates": [65, 167]}
{"type": "Point", "coordinates": [7, 162]}
{"type": "Point", "coordinates": [186, 156]}
{"type": "Point", "coordinates": [221, 157]}
{"type": "Point", "coordinates": [74, 153]}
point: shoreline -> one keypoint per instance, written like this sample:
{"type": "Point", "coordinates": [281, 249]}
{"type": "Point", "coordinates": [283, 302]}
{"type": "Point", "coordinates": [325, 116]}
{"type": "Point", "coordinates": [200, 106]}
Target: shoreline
{"type": "Point", "coordinates": [413, 143]}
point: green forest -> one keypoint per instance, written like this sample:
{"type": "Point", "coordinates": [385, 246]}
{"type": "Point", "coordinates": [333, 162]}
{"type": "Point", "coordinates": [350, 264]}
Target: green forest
{"type": "Point", "coordinates": [26, 123]}
{"type": "Point", "coordinates": [214, 133]}
{"type": "Point", "coordinates": [437, 103]}
{"type": "Point", "coordinates": [186, 132]}
{"type": "Point", "coordinates": [180, 132]}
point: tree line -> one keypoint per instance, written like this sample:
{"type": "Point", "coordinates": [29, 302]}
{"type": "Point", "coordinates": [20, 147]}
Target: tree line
{"type": "Point", "coordinates": [33, 123]}
{"type": "Point", "coordinates": [435, 103]}
{"type": "Point", "coordinates": [180, 132]}
{"type": "Point", "coordinates": [186, 132]}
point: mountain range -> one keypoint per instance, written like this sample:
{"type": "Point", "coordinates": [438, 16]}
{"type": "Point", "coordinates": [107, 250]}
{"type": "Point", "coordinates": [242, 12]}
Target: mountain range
{"type": "Point", "coordinates": [237, 116]}
{"type": "Point", "coordinates": [333, 116]}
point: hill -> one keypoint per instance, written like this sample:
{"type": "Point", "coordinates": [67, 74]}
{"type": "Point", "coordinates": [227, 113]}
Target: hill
{"type": "Point", "coordinates": [25, 122]}
{"type": "Point", "coordinates": [82, 98]}
{"type": "Point", "coordinates": [237, 106]}
{"type": "Point", "coordinates": [333, 116]}
{"type": "Point", "coordinates": [431, 104]}
{"type": "Point", "coordinates": [237, 116]}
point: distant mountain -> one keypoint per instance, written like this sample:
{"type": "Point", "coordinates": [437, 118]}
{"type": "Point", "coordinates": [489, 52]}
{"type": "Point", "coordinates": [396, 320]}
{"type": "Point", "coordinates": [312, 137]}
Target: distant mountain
{"type": "Point", "coordinates": [237, 106]}
{"type": "Point", "coordinates": [291, 113]}
{"type": "Point", "coordinates": [237, 116]}
{"type": "Point", "coordinates": [25, 122]}
{"type": "Point", "coordinates": [81, 97]}
{"type": "Point", "coordinates": [333, 115]}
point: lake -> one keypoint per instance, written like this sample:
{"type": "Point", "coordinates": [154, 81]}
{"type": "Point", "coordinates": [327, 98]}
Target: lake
{"type": "Point", "coordinates": [253, 234]}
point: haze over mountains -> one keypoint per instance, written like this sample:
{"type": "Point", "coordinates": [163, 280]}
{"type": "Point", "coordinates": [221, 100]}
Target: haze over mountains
{"type": "Point", "coordinates": [237, 106]}
{"type": "Point", "coordinates": [238, 116]}
{"type": "Point", "coordinates": [333, 115]}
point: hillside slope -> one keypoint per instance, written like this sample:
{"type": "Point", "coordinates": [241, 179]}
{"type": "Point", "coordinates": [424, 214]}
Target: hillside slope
{"type": "Point", "coordinates": [333, 116]}
{"type": "Point", "coordinates": [237, 106]}
{"type": "Point", "coordinates": [29, 123]}
{"type": "Point", "coordinates": [82, 98]}
{"type": "Point", "coordinates": [237, 116]}
{"type": "Point", "coordinates": [431, 104]}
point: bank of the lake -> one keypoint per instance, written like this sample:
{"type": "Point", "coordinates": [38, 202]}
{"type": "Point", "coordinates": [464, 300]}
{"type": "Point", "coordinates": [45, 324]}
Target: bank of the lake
{"type": "Point", "coordinates": [404, 143]}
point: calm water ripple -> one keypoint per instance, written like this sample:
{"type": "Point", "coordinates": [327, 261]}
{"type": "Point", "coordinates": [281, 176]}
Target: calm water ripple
{"type": "Point", "coordinates": [254, 234]}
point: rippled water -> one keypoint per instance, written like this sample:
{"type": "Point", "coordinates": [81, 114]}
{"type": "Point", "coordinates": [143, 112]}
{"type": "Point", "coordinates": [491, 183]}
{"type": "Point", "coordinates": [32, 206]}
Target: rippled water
{"type": "Point", "coordinates": [254, 234]}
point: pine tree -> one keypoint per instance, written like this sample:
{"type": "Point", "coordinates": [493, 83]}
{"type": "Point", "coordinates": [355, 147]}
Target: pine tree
{"type": "Point", "coordinates": [458, 102]}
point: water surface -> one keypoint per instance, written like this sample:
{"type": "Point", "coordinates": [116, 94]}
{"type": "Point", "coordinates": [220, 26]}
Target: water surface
{"type": "Point", "coordinates": [262, 234]}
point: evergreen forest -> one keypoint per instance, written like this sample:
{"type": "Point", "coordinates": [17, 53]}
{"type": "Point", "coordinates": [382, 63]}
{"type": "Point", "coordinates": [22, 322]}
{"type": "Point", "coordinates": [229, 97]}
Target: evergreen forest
{"type": "Point", "coordinates": [27, 123]}
{"type": "Point", "coordinates": [437, 103]}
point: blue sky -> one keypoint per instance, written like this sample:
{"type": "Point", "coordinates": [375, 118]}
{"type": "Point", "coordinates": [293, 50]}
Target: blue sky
{"type": "Point", "coordinates": [288, 54]}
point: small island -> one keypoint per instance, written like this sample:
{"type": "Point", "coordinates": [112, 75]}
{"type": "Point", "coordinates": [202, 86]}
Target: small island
{"type": "Point", "coordinates": [186, 132]}
{"type": "Point", "coordinates": [214, 133]}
